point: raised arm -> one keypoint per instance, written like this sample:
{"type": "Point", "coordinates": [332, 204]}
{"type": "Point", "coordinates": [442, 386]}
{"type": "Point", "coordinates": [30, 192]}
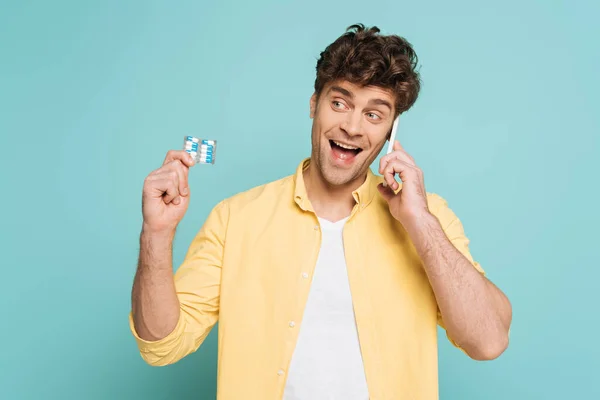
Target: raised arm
{"type": "Point", "coordinates": [171, 314]}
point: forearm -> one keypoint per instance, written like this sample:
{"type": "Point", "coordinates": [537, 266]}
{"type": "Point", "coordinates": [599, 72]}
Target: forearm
{"type": "Point", "coordinates": [155, 306]}
{"type": "Point", "coordinates": [476, 313]}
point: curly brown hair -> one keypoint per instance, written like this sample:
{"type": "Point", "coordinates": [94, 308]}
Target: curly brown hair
{"type": "Point", "coordinates": [364, 57]}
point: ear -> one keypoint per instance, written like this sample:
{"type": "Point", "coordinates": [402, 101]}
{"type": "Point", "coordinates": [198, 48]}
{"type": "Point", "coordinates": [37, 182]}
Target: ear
{"type": "Point", "coordinates": [313, 105]}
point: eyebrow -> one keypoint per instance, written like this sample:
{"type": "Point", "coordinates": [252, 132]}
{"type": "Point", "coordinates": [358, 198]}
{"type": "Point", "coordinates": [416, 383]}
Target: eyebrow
{"type": "Point", "coordinates": [347, 93]}
{"type": "Point", "coordinates": [342, 91]}
{"type": "Point", "coordinates": [381, 102]}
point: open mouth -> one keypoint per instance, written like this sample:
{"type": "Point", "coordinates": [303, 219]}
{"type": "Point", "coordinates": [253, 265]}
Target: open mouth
{"type": "Point", "coordinates": [343, 151]}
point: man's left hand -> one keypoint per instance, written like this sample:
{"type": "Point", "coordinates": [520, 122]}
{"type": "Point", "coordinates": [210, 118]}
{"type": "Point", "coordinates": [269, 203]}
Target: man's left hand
{"type": "Point", "coordinates": [410, 202]}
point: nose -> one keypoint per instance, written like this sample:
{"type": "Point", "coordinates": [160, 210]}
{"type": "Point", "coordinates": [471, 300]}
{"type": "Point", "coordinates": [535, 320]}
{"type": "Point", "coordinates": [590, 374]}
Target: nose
{"type": "Point", "coordinates": [352, 124]}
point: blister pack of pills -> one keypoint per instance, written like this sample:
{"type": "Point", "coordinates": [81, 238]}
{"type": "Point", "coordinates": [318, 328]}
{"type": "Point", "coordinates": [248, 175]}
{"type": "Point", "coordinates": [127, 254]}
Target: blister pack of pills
{"type": "Point", "coordinates": [202, 150]}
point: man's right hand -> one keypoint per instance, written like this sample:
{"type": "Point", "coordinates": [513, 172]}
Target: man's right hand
{"type": "Point", "coordinates": [165, 196]}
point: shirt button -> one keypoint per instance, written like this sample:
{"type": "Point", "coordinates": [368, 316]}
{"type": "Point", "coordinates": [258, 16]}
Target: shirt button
{"type": "Point", "coordinates": [280, 372]}
{"type": "Point", "coordinates": [316, 227]}
{"type": "Point", "coordinates": [292, 324]}
{"type": "Point", "coordinates": [304, 275]}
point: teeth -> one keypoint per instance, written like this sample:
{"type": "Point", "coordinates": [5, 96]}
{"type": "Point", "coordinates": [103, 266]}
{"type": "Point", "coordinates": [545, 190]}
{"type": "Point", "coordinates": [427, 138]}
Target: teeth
{"type": "Point", "coordinates": [345, 146]}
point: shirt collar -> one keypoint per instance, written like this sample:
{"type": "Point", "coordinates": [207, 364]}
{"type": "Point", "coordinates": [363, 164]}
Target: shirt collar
{"type": "Point", "coordinates": [362, 195]}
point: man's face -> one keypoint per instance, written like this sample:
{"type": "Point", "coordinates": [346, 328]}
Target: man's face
{"type": "Point", "coordinates": [350, 126]}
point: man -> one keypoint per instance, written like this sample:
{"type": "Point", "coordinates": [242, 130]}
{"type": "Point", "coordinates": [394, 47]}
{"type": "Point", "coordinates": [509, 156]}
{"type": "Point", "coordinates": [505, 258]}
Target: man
{"type": "Point", "coordinates": [327, 284]}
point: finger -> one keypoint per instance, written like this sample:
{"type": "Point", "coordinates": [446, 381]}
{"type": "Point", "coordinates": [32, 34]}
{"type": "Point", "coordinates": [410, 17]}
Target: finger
{"type": "Point", "coordinates": [180, 155]}
{"type": "Point", "coordinates": [166, 187]}
{"type": "Point", "coordinates": [404, 156]}
{"type": "Point", "coordinates": [177, 170]}
{"type": "Point", "coordinates": [174, 176]}
{"type": "Point", "coordinates": [181, 172]}
{"type": "Point", "coordinates": [171, 193]}
{"type": "Point", "coordinates": [386, 192]}
{"type": "Point", "coordinates": [389, 176]}
{"type": "Point", "coordinates": [383, 163]}
{"type": "Point", "coordinates": [397, 154]}
{"type": "Point", "coordinates": [396, 167]}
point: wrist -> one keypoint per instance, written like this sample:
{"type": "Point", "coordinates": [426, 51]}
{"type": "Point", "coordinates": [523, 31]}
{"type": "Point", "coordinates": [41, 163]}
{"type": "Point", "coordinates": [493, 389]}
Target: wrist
{"type": "Point", "coordinates": [416, 223]}
{"type": "Point", "coordinates": [151, 234]}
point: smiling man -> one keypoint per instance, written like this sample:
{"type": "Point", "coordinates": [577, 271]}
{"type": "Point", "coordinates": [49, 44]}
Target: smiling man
{"type": "Point", "coordinates": [327, 284]}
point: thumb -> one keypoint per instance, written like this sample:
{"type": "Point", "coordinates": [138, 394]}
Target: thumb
{"type": "Point", "coordinates": [386, 192]}
{"type": "Point", "coordinates": [397, 145]}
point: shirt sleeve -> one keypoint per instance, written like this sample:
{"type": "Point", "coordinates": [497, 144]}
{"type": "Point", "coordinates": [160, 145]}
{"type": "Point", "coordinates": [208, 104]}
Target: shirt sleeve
{"type": "Point", "coordinates": [455, 232]}
{"type": "Point", "coordinates": [197, 283]}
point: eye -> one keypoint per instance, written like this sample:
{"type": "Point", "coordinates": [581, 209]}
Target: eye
{"type": "Point", "coordinates": [338, 104]}
{"type": "Point", "coordinates": [373, 116]}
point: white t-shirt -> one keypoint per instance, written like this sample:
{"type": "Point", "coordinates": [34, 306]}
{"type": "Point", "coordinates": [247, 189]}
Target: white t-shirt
{"type": "Point", "coordinates": [327, 362]}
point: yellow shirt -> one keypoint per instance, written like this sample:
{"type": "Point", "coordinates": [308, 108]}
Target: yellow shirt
{"type": "Point", "coordinates": [250, 268]}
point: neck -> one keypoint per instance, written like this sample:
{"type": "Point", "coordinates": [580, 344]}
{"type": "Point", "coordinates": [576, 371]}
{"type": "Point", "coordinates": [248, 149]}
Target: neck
{"type": "Point", "coordinates": [331, 202]}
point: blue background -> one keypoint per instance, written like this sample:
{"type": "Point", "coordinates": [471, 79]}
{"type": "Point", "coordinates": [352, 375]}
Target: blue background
{"type": "Point", "coordinates": [93, 94]}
